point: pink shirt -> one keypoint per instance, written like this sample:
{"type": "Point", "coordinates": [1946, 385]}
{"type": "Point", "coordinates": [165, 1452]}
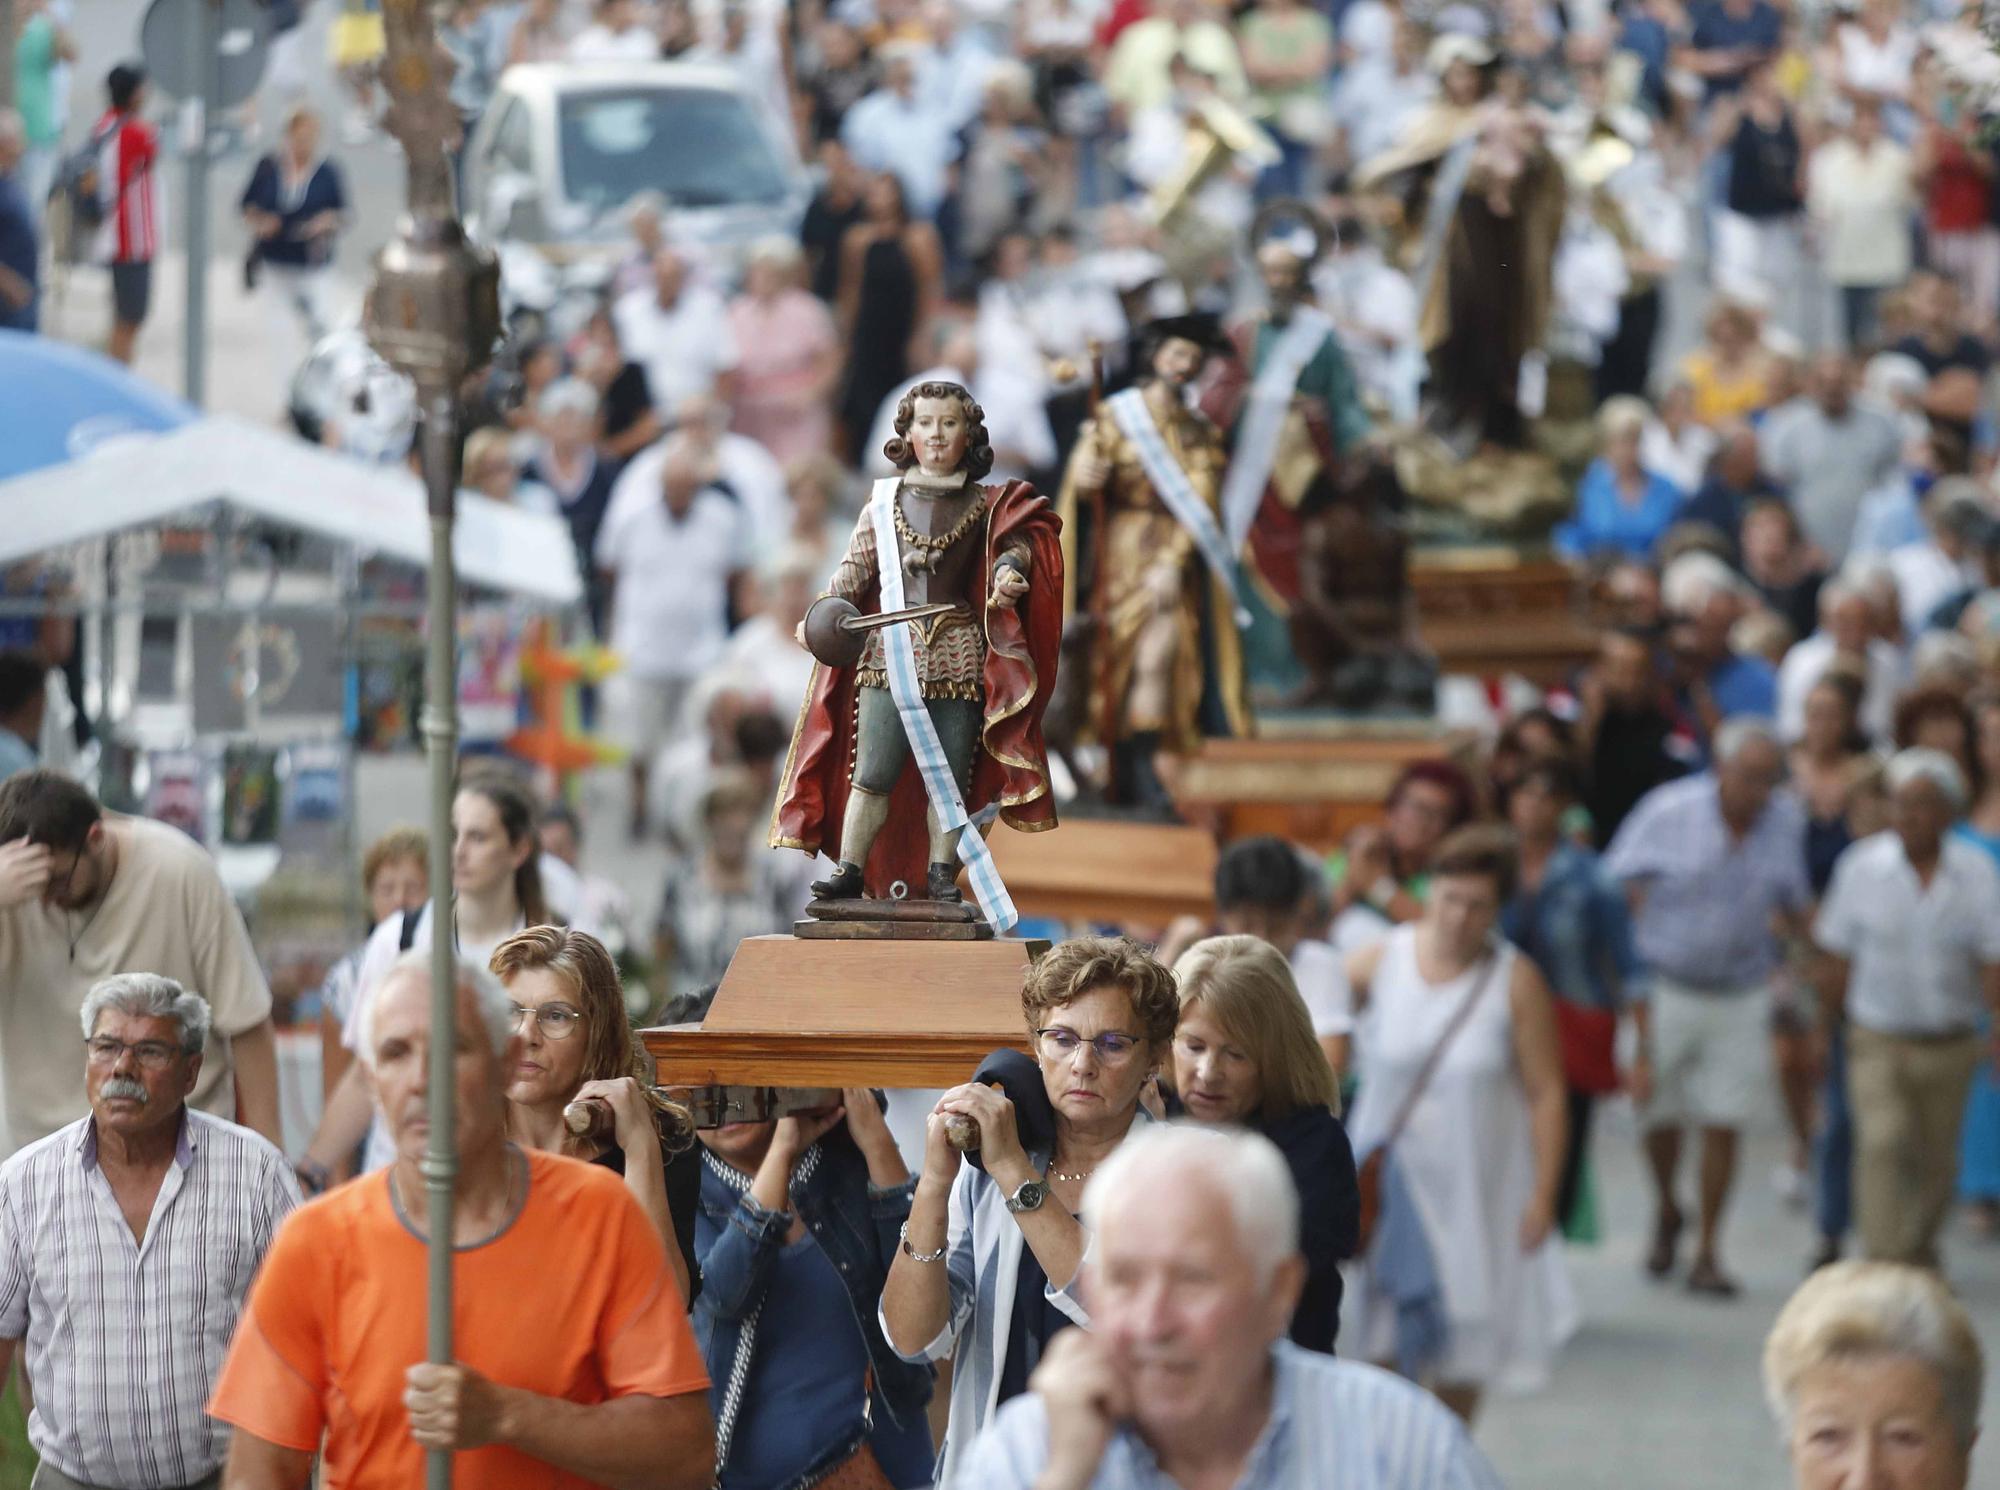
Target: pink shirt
{"type": "Point", "coordinates": [782, 345]}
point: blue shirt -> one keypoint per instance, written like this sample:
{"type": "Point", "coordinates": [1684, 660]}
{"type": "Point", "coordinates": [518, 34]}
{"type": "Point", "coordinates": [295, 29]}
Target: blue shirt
{"type": "Point", "coordinates": [1576, 927]}
{"type": "Point", "coordinates": [1605, 523]}
{"type": "Point", "coordinates": [1716, 30]}
{"type": "Point", "coordinates": [1705, 919]}
{"type": "Point", "coordinates": [18, 252]}
{"type": "Point", "coordinates": [1334, 1425]}
{"type": "Point", "coordinates": [322, 191]}
{"type": "Point", "coordinates": [16, 754]}
{"type": "Point", "coordinates": [1745, 685]}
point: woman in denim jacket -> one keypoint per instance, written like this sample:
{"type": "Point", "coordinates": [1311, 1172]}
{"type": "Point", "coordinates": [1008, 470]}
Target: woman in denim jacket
{"type": "Point", "coordinates": [799, 1220]}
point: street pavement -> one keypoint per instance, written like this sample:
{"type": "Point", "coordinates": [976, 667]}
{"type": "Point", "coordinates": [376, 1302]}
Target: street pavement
{"type": "Point", "coordinates": [1659, 1389]}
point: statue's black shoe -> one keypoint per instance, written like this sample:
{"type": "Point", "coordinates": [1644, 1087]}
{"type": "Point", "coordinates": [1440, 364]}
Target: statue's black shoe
{"type": "Point", "coordinates": [941, 883]}
{"type": "Point", "coordinates": [843, 884]}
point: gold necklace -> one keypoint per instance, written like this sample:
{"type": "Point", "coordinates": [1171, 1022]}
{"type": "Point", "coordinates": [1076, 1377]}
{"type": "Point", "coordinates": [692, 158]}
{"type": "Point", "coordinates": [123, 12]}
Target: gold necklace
{"type": "Point", "coordinates": [1071, 1179]}
{"type": "Point", "coordinates": [911, 537]}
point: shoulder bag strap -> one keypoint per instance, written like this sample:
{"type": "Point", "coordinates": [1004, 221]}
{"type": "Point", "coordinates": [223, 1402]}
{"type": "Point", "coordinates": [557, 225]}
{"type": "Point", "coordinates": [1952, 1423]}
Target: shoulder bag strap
{"type": "Point", "coordinates": [1435, 1059]}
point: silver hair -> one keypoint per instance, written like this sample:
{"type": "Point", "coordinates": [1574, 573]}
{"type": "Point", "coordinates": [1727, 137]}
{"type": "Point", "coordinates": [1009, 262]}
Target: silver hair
{"type": "Point", "coordinates": [775, 249]}
{"type": "Point", "coordinates": [150, 996]}
{"type": "Point", "coordinates": [568, 396]}
{"type": "Point", "coordinates": [1694, 579]}
{"type": "Point", "coordinates": [496, 1009]}
{"type": "Point", "coordinates": [1858, 1310]}
{"type": "Point", "coordinates": [1246, 1167]}
{"type": "Point", "coordinates": [1944, 657]}
{"type": "Point", "coordinates": [1738, 731]}
{"type": "Point", "coordinates": [1919, 763]}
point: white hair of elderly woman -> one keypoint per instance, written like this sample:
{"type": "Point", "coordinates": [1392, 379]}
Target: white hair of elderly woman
{"type": "Point", "coordinates": [1692, 580]}
{"type": "Point", "coordinates": [150, 996]}
{"type": "Point", "coordinates": [1246, 1167]}
{"type": "Point", "coordinates": [1858, 1310]}
{"type": "Point", "coordinates": [1740, 730]}
{"type": "Point", "coordinates": [496, 1009]}
{"type": "Point", "coordinates": [568, 396]}
{"type": "Point", "coordinates": [1920, 763]}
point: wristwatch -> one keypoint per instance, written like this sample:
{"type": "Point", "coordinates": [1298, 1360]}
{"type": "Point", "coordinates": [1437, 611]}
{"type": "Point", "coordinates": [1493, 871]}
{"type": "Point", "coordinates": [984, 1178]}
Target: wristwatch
{"type": "Point", "coordinates": [1028, 1197]}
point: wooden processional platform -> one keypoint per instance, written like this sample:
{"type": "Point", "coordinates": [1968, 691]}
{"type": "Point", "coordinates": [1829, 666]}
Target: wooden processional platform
{"type": "Point", "coordinates": [795, 1012]}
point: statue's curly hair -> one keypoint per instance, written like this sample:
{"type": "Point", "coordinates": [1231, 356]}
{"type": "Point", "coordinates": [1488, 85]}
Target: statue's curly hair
{"type": "Point", "coordinates": [978, 460]}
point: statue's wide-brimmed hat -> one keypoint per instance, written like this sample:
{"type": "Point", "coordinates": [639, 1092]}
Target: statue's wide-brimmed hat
{"type": "Point", "coordinates": [1204, 330]}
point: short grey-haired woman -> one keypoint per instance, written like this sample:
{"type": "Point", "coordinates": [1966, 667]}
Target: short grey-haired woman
{"type": "Point", "coordinates": [1874, 1375]}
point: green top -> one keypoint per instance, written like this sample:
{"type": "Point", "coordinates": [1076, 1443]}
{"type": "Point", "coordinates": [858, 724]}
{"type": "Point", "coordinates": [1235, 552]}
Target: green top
{"type": "Point", "coordinates": [35, 80]}
{"type": "Point", "coordinates": [1281, 39]}
{"type": "Point", "coordinates": [1329, 378]}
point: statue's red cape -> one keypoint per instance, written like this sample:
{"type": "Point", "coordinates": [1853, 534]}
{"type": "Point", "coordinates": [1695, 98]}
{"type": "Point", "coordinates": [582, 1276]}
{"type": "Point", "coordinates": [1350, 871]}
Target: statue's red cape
{"type": "Point", "coordinates": [1012, 766]}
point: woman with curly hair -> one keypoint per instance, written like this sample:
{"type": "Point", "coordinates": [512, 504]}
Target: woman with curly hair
{"type": "Point", "coordinates": [577, 1046]}
{"type": "Point", "coordinates": [990, 1254]}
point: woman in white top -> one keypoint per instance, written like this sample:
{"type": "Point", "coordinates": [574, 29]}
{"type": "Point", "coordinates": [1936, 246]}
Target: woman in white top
{"type": "Point", "coordinates": [1481, 1150]}
{"type": "Point", "coordinates": [496, 882]}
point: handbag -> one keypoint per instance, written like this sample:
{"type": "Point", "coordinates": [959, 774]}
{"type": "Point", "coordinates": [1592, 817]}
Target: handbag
{"type": "Point", "coordinates": [1589, 1039]}
{"type": "Point", "coordinates": [1369, 1176]}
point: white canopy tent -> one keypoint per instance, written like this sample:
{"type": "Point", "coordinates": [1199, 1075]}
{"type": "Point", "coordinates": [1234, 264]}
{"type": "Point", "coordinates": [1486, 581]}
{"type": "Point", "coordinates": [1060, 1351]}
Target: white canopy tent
{"type": "Point", "coordinates": [263, 473]}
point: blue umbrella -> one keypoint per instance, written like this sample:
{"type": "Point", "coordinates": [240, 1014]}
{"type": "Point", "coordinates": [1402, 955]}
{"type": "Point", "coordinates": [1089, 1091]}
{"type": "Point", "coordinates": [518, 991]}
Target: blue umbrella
{"type": "Point", "coordinates": [61, 400]}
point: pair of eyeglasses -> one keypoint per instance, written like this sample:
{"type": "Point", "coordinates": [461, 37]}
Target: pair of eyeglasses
{"type": "Point", "coordinates": [1059, 1044]}
{"type": "Point", "coordinates": [154, 1055]}
{"type": "Point", "coordinates": [555, 1021]}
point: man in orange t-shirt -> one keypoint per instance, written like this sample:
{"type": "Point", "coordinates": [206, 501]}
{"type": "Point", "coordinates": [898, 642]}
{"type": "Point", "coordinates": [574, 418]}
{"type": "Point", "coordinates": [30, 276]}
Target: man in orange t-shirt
{"type": "Point", "coordinates": [572, 1342]}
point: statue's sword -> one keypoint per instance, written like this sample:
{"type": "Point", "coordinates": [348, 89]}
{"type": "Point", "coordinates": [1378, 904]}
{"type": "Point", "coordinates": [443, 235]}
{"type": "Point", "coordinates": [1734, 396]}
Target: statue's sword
{"type": "Point", "coordinates": [895, 617]}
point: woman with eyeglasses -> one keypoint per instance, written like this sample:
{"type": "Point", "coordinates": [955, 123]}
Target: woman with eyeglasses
{"type": "Point", "coordinates": [1245, 1056]}
{"type": "Point", "coordinates": [989, 1256]}
{"type": "Point", "coordinates": [576, 1043]}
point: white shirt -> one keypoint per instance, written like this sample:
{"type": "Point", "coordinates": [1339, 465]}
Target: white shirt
{"type": "Point", "coordinates": [751, 472]}
{"type": "Point", "coordinates": [1862, 204]}
{"type": "Point", "coordinates": [602, 44]}
{"type": "Point", "coordinates": [764, 659]}
{"type": "Point", "coordinates": [1683, 461]}
{"type": "Point", "coordinates": [1806, 664]}
{"type": "Point", "coordinates": [684, 347]}
{"type": "Point", "coordinates": [1925, 579]}
{"type": "Point", "coordinates": [670, 606]}
{"type": "Point", "coordinates": [908, 137]}
{"type": "Point", "coordinates": [1915, 953]}
{"type": "Point", "coordinates": [1322, 980]}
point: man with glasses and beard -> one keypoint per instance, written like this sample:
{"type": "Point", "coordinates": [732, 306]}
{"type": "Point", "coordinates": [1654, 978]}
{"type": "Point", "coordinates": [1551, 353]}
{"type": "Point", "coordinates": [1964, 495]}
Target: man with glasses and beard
{"type": "Point", "coordinates": [84, 896]}
{"type": "Point", "coordinates": [172, 1210]}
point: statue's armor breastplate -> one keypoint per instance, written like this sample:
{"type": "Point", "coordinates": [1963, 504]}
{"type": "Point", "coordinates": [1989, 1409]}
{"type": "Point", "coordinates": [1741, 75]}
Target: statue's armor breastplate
{"type": "Point", "coordinates": [931, 574]}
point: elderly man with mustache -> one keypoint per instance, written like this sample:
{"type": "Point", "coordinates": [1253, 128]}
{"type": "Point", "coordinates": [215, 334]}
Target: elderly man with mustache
{"type": "Point", "coordinates": [170, 1211]}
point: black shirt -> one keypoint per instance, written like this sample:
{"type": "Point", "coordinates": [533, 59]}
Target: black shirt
{"type": "Point", "coordinates": [1967, 352]}
{"type": "Point", "coordinates": [1036, 1322]}
{"type": "Point", "coordinates": [1764, 169]}
{"type": "Point", "coordinates": [626, 401]}
{"type": "Point", "coordinates": [1315, 1147]}
{"type": "Point", "coordinates": [820, 235]}
{"type": "Point", "coordinates": [1629, 758]}
{"type": "Point", "coordinates": [683, 1177]}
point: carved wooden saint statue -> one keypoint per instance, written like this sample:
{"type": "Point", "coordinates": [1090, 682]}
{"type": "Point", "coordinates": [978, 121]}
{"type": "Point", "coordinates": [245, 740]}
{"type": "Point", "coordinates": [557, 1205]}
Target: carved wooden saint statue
{"type": "Point", "coordinates": [936, 648]}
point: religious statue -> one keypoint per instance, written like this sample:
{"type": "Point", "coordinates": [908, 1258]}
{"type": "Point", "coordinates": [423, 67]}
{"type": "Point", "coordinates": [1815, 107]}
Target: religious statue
{"type": "Point", "coordinates": [1481, 200]}
{"type": "Point", "coordinates": [1316, 501]}
{"type": "Point", "coordinates": [936, 647]}
{"type": "Point", "coordinates": [1160, 591]}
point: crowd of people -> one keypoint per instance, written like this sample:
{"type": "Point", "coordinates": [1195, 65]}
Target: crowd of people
{"type": "Point", "coordinates": [1749, 848]}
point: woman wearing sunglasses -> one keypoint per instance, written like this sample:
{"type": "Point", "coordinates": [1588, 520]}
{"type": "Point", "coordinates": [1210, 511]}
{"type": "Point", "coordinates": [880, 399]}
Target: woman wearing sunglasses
{"type": "Point", "coordinates": [989, 1255]}
{"type": "Point", "coordinates": [576, 1042]}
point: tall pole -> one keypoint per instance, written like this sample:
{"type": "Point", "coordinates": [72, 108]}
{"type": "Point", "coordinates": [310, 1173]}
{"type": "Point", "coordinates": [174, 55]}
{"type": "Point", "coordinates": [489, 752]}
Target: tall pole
{"type": "Point", "coordinates": [202, 41]}
{"type": "Point", "coordinates": [435, 313]}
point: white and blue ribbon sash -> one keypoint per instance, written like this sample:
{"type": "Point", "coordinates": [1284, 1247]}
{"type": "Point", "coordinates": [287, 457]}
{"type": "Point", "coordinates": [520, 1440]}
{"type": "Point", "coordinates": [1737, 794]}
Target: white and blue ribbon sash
{"type": "Point", "coordinates": [899, 662]}
{"type": "Point", "coordinates": [1264, 420]}
{"type": "Point", "coordinates": [1170, 482]}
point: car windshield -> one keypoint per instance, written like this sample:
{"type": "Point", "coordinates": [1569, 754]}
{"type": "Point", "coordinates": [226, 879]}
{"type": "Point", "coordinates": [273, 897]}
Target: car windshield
{"type": "Point", "coordinates": [698, 147]}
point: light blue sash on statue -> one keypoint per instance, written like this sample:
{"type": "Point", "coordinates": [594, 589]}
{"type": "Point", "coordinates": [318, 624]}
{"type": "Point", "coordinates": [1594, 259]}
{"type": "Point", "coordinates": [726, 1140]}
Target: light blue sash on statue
{"type": "Point", "coordinates": [899, 658]}
{"type": "Point", "coordinates": [1170, 482]}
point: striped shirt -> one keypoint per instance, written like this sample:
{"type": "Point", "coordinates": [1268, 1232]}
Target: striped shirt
{"type": "Point", "coordinates": [1334, 1425]}
{"type": "Point", "coordinates": [128, 151]}
{"type": "Point", "coordinates": [1705, 919]}
{"type": "Point", "coordinates": [125, 1338]}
